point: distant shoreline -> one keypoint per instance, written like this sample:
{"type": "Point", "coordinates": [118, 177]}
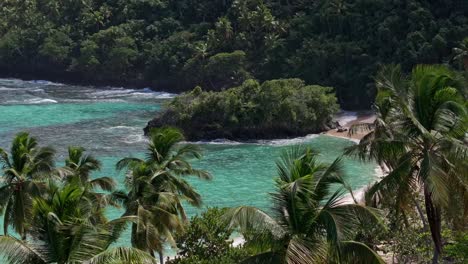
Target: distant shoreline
{"type": "Point", "coordinates": [362, 117]}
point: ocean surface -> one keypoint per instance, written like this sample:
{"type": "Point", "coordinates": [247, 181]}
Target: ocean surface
{"type": "Point", "coordinates": [108, 122]}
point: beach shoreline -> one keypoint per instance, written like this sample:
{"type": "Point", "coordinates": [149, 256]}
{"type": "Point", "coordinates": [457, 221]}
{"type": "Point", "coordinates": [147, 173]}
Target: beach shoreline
{"type": "Point", "coordinates": [366, 117]}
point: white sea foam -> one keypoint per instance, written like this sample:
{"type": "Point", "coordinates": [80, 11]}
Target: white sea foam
{"type": "Point", "coordinates": [157, 95]}
{"type": "Point", "coordinates": [2, 88]}
{"type": "Point", "coordinates": [121, 92]}
{"type": "Point", "coordinates": [272, 142]}
{"type": "Point", "coordinates": [135, 138]}
{"type": "Point", "coordinates": [111, 93]}
{"type": "Point", "coordinates": [122, 128]}
{"type": "Point", "coordinates": [40, 101]}
{"type": "Point", "coordinates": [32, 101]}
{"type": "Point", "coordinates": [287, 142]}
{"type": "Point", "coordinates": [44, 82]}
{"type": "Point", "coordinates": [37, 90]}
{"type": "Point", "coordinates": [217, 142]}
{"type": "Point", "coordinates": [344, 117]}
{"type": "Point", "coordinates": [112, 100]}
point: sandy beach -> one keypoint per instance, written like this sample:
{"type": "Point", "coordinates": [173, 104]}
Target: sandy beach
{"type": "Point", "coordinates": [347, 119]}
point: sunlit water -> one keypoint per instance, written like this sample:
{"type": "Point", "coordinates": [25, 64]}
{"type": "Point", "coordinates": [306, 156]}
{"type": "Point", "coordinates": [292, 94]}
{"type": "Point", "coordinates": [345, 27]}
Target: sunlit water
{"type": "Point", "coordinates": [108, 122]}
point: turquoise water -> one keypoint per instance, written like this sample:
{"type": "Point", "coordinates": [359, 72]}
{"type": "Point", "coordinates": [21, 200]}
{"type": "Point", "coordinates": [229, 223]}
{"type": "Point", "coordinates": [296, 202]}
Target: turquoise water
{"type": "Point", "coordinates": [108, 122]}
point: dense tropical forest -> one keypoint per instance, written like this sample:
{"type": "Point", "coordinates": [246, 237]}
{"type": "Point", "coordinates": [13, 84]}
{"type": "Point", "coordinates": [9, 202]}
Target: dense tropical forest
{"type": "Point", "coordinates": [176, 45]}
{"type": "Point", "coordinates": [245, 69]}
{"type": "Point", "coordinates": [274, 109]}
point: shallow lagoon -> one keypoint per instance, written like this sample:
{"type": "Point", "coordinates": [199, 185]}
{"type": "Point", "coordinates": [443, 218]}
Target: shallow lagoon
{"type": "Point", "coordinates": [108, 122]}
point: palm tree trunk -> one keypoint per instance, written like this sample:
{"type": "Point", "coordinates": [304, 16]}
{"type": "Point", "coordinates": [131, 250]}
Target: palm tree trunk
{"type": "Point", "coordinates": [133, 235]}
{"type": "Point", "coordinates": [421, 213]}
{"type": "Point", "coordinates": [161, 257]}
{"type": "Point", "coordinates": [434, 219]}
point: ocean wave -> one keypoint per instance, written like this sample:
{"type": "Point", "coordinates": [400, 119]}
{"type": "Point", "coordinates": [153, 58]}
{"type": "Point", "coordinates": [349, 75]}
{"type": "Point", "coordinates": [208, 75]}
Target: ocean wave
{"type": "Point", "coordinates": [111, 100]}
{"type": "Point", "coordinates": [40, 101]}
{"type": "Point", "coordinates": [111, 93]}
{"type": "Point", "coordinates": [44, 82]}
{"type": "Point", "coordinates": [27, 89]}
{"type": "Point", "coordinates": [270, 142]}
{"type": "Point", "coordinates": [216, 142]}
{"type": "Point", "coordinates": [136, 138]}
{"type": "Point", "coordinates": [32, 101]}
{"type": "Point", "coordinates": [288, 141]}
{"type": "Point", "coordinates": [153, 94]}
{"type": "Point", "coordinates": [122, 92]}
{"type": "Point", "coordinates": [39, 90]}
{"type": "Point", "coordinates": [344, 117]}
{"type": "Point", "coordinates": [2, 88]}
{"type": "Point", "coordinates": [125, 128]}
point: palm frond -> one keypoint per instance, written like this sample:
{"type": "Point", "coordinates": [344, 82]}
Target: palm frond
{"type": "Point", "coordinates": [358, 253]}
{"type": "Point", "coordinates": [105, 183]}
{"type": "Point", "coordinates": [248, 218]}
{"type": "Point", "coordinates": [120, 255]}
{"type": "Point", "coordinates": [15, 251]}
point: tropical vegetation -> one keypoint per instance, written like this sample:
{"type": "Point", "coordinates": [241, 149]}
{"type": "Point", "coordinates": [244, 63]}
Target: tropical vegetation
{"type": "Point", "coordinates": [178, 44]}
{"type": "Point", "coordinates": [274, 109]}
{"type": "Point", "coordinates": [309, 222]}
{"type": "Point", "coordinates": [417, 211]}
{"type": "Point", "coordinates": [420, 136]}
{"type": "Point", "coordinates": [156, 189]}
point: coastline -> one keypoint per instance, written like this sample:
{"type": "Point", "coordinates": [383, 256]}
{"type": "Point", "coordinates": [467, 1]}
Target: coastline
{"type": "Point", "coordinates": [346, 123]}
{"type": "Point", "coordinates": [357, 195]}
{"type": "Point", "coordinates": [361, 117]}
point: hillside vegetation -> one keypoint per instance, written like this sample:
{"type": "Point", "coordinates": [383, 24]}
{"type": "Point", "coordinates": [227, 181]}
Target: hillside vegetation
{"type": "Point", "coordinates": [178, 44]}
{"type": "Point", "coordinates": [273, 109]}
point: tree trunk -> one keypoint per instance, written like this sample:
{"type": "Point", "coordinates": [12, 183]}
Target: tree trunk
{"type": "Point", "coordinates": [421, 214]}
{"type": "Point", "coordinates": [434, 219]}
{"type": "Point", "coordinates": [161, 257]}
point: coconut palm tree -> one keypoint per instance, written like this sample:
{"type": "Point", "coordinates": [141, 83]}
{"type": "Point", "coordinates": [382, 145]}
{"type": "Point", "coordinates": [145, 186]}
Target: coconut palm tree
{"type": "Point", "coordinates": [309, 222]}
{"type": "Point", "coordinates": [157, 188]}
{"type": "Point", "coordinates": [24, 171]}
{"type": "Point", "coordinates": [78, 169]}
{"type": "Point", "coordinates": [66, 230]}
{"type": "Point", "coordinates": [425, 145]}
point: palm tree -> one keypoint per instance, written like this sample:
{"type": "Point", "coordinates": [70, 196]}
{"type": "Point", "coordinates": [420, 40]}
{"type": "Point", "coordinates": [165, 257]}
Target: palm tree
{"type": "Point", "coordinates": [157, 189]}
{"type": "Point", "coordinates": [461, 53]}
{"type": "Point", "coordinates": [78, 169]}
{"type": "Point", "coordinates": [424, 145]}
{"type": "Point", "coordinates": [309, 223]}
{"type": "Point", "coordinates": [24, 171]}
{"type": "Point", "coordinates": [66, 230]}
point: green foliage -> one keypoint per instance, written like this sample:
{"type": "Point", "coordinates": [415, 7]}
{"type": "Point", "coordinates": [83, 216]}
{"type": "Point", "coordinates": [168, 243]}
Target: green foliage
{"type": "Point", "coordinates": [420, 136]}
{"type": "Point", "coordinates": [309, 223]}
{"type": "Point", "coordinates": [339, 43]}
{"type": "Point", "coordinates": [276, 108]}
{"type": "Point", "coordinates": [57, 46]}
{"type": "Point", "coordinates": [57, 212]}
{"type": "Point", "coordinates": [457, 249]}
{"type": "Point", "coordinates": [412, 245]}
{"type": "Point", "coordinates": [206, 240]}
{"type": "Point", "coordinates": [157, 188]}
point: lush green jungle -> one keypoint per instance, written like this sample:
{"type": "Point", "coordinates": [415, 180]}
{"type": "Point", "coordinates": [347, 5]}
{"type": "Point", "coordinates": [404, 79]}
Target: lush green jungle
{"type": "Point", "coordinates": [245, 69]}
{"type": "Point", "coordinates": [275, 109]}
{"type": "Point", "coordinates": [175, 45]}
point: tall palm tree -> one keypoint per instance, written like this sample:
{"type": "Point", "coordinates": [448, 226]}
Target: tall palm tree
{"type": "Point", "coordinates": [157, 188]}
{"type": "Point", "coordinates": [66, 230]}
{"type": "Point", "coordinates": [309, 222]}
{"type": "Point", "coordinates": [425, 144]}
{"type": "Point", "coordinates": [24, 171]}
{"type": "Point", "coordinates": [78, 169]}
